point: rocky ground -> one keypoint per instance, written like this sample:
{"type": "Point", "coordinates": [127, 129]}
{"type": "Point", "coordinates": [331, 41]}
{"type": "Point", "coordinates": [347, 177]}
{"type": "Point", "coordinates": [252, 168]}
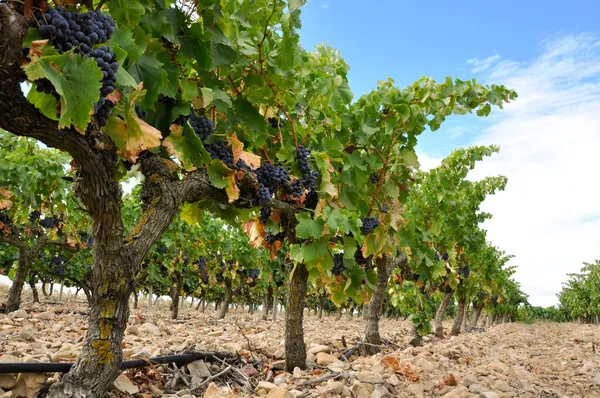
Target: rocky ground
{"type": "Point", "coordinates": [510, 360]}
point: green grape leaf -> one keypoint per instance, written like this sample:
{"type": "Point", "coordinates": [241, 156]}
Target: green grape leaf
{"type": "Point", "coordinates": [76, 79]}
{"type": "Point", "coordinates": [185, 145]}
{"type": "Point", "coordinates": [46, 103]}
{"type": "Point", "coordinates": [308, 228]}
{"type": "Point", "coordinates": [126, 12]}
{"type": "Point", "coordinates": [149, 69]}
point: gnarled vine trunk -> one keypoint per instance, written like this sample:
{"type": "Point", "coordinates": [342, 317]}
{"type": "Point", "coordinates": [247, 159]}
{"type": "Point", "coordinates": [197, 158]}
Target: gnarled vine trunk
{"type": "Point", "coordinates": [175, 297]}
{"type": "Point", "coordinates": [275, 303]}
{"type": "Point", "coordinates": [226, 300]}
{"type": "Point", "coordinates": [463, 324]}
{"type": "Point", "coordinates": [372, 336]}
{"type": "Point", "coordinates": [267, 303]}
{"type": "Point", "coordinates": [34, 291]}
{"type": "Point", "coordinates": [460, 313]}
{"type": "Point", "coordinates": [14, 293]}
{"type": "Point", "coordinates": [295, 349]}
{"type": "Point", "coordinates": [477, 308]}
{"type": "Point", "coordinates": [439, 315]}
{"type": "Point", "coordinates": [322, 298]}
{"type": "Point", "coordinates": [385, 266]}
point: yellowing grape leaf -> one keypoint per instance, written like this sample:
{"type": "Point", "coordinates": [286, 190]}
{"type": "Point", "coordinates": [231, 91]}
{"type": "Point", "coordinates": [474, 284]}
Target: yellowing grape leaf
{"type": "Point", "coordinates": [253, 228]}
{"type": "Point", "coordinates": [191, 213]}
{"type": "Point", "coordinates": [237, 147]}
{"type": "Point", "coordinates": [5, 201]}
{"type": "Point", "coordinates": [132, 136]}
{"type": "Point", "coordinates": [221, 177]}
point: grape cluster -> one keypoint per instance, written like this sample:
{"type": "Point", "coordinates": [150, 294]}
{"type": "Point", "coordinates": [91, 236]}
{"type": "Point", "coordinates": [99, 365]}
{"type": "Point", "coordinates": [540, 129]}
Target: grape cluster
{"type": "Point", "coordinates": [374, 178]}
{"type": "Point", "coordinates": [310, 176]}
{"type": "Point", "coordinates": [86, 237]}
{"type": "Point", "coordinates": [222, 152]}
{"type": "Point", "coordinates": [201, 263]}
{"type": "Point", "coordinates": [59, 265]}
{"type": "Point", "coordinates": [201, 125]}
{"type": "Point", "coordinates": [186, 259]}
{"type": "Point", "coordinates": [34, 216]}
{"type": "Point", "coordinates": [275, 122]}
{"type": "Point", "coordinates": [162, 249]}
{"type": "Point", "coordinates": [264, 196]}
{"type": "Point", "coordinates": [362, 261]}
{"type": "Point", "coordinates": [294, 189]}
{"type": "Point", "coordinates": [312, 199]}
{"type": "Point", "coordinates": [142, 114]}
{"type": "Point", "coordinates": [50, 222]}
{"type": "Point", "coordinates": [69, 30]}
{"type": "Point", "coordinates": [270, 238]}
{"type": "Point", "coordinates": [445, 257]}
{"type": "Point", "coordinates": [369, 224]}
{"type": "Point", "coordinates": [384, 209]}
{"type": "Point", "coordinates": [495, 299]}
{"type": "Point", "coordinates": [254, 274]}
{"type": "Point", "coordinates": [464, 271]}
{"type": "Point", "coordinates": [4, 221]}
{"type": "Point", "coordinates": [81, 32]}
{"type": "Point", "coordinates": [265, 214]}
{"type": "Point", "coordinates": [270, 178]}
{"type": "Point", "coordinates": [338, 264]}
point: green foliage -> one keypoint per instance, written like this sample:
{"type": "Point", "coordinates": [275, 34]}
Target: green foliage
{"type": "Point", "coordinates": [241, 64]}
{"type": "Point", "coordinates": [580, 296]}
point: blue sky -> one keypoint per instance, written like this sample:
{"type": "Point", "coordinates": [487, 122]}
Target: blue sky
{"type": "Point", "coordinates": [407, 39]}
{"type": "Point", "coordinates": [549, 51]}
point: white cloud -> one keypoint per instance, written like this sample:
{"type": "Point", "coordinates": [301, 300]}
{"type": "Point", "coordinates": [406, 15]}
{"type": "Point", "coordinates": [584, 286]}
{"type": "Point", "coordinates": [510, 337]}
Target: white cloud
{"type": "Point", "coordinates": [324, 5]}
{"type": "Point", "coordinates": [549, 215]}
{"type": "Point", "coordinates": [481, 65]}
{"type": "Point", "coordinates": [428, 162]}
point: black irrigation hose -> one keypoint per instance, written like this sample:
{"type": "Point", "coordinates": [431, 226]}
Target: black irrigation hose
{"type": "Point", "coordinates": [64, 367]}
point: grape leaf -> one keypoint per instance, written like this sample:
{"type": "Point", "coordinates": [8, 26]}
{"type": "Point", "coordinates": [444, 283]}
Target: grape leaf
{"type": "Point", "coordinates": [185, 145]}
{"type": "Point", "coordinates": [46, 103]}
{"type": "Point", "coordinates": [191, 213]}
{"type": "Point", "coordinates": [222, 176]}
{"type": "Point", "coordinates": [76, 79]}
{"type": "Point", "coordinates": [132, 136]}
{"type": "Point", "coordinates": [237, 147]}
{"type": "Point", "coordinates": [126, 12]}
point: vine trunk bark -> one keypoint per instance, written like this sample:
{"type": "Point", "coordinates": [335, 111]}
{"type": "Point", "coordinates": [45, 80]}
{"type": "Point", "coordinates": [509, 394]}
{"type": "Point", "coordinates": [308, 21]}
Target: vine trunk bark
{"type": "Point", "coordinates": [460, 313]}
{"type": "Point", "coordinates": [477, 308]}
{"type": "Point", "coordinates": [267, 304]}
{"type": "Point", "coordinates": [226, 300]}
{"type": "Point", "coordinates": [275, 303]}
{"type": "Point", "coordinates": [34, 291]}
{"type": "Point", "coordinates": [372, 336]}
{"type": "Point", "coordinates": [439, 315]}
{"type": "Point", "coordinates": [175, 297]}
{"type": "Point", "coordinates": [295, 349]}
{"type": "Point", "coordinates": [14, 294]}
